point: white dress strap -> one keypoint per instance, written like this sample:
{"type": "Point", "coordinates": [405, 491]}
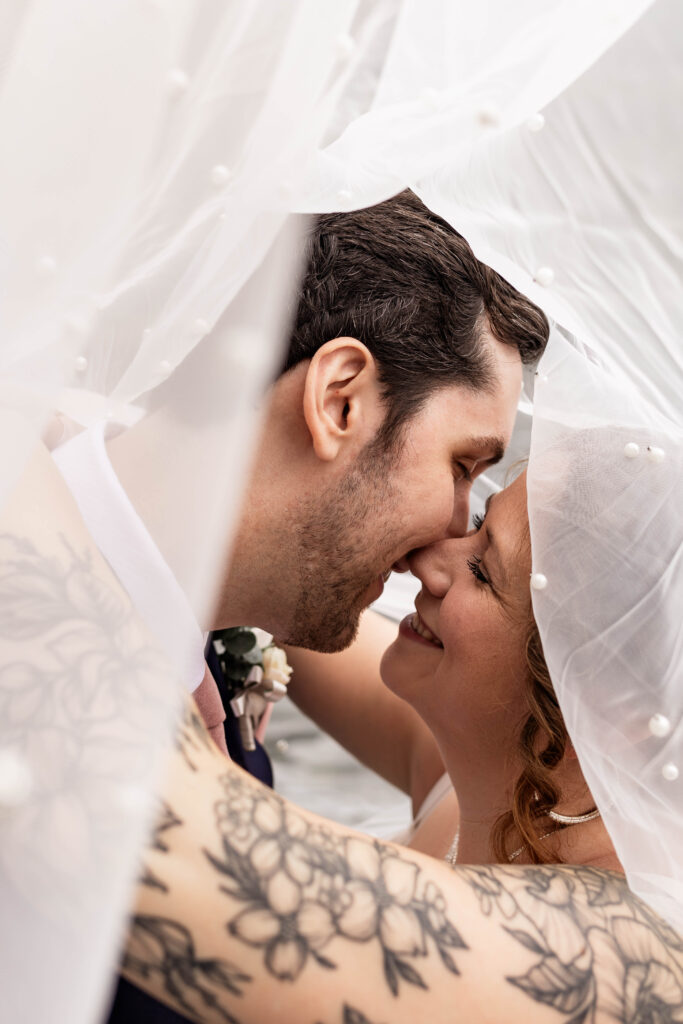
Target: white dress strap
{"type": "Point", "coordinates": [441, 788]}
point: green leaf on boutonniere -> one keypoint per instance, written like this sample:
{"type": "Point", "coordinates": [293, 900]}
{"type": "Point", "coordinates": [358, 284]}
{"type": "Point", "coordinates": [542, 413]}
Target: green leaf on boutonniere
{"type": "Point", "coordinates": [254, 656]}
{"type": "Point", "coordinates": [239, 644]}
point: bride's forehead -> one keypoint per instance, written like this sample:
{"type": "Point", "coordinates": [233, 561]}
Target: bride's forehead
{"type": "Point", "coordinates": [508, 516]}
{"type": "Point", "coordinates": [511, 500]}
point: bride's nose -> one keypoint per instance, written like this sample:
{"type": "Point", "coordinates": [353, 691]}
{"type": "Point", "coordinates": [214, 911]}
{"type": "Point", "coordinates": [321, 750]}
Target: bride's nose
{"type": "Point", "coordinates": [434, 565]}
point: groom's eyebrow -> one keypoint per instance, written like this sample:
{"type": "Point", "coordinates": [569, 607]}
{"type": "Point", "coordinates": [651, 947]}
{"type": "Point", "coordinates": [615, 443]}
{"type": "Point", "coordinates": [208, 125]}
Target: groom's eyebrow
{"type": "Point", "coordinates": [494, 445]}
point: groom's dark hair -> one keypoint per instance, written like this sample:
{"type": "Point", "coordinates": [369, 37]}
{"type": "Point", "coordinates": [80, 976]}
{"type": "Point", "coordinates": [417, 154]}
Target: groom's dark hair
{"type": "Point", "coordinates": [406, 284]}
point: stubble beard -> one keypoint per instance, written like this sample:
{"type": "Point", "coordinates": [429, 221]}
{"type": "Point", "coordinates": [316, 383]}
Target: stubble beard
{"type": "Point", "coordinates": [344, 540]}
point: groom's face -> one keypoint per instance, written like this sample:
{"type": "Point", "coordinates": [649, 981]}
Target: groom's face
{"type": "Point", "coordinates": [394, 502]}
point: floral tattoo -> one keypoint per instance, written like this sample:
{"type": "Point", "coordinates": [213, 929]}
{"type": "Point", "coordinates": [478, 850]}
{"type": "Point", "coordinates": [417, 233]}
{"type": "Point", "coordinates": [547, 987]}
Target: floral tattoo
{"type": "Point", "coordinates": [163, 950]}
{"type": "Point", "coordinates": [299, 889]}
{"type": "Point", "coordinates": [350, 1015]}
{"type": "Point", "coordinates": [81, 684]}
{"type": "Point", "coordinates": [300, 886]}
{"type": "Point", "coordinates": [599, 952]}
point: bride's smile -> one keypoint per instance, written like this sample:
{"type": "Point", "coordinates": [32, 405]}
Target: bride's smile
{"type": "Point", "coordinates": [413, 627]}
{"type": "Point", "coordinates": [460, 656]}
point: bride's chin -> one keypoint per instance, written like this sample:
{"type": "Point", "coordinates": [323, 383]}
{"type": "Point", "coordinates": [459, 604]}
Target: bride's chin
{"type": "Point", "coordinates": [396, 671]}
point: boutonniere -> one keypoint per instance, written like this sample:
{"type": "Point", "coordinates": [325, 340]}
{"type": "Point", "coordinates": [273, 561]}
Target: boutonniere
{"type": "Point", "coordinates": [256, 674]}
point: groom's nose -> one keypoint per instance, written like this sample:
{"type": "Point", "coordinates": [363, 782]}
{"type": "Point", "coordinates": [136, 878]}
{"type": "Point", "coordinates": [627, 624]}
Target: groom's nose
{"type": "Point", "coordinates": [461, 510]}
{"type": "Point", "coordinates": [457, 527]}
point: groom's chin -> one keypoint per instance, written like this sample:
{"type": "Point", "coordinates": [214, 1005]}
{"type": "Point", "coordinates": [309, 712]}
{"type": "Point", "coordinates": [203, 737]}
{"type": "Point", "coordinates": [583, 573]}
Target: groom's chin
{"type": "Point", "coordinates": [342, 640]}
{"type": "Point", "coordinates": [326, 637]}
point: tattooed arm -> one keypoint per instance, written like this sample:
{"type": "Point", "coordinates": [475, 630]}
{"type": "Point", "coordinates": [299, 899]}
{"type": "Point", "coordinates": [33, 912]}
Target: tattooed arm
{"type": "Point", "coordinates": [249, 910]}
{"type": "Point", "coordinates": [270, 913]}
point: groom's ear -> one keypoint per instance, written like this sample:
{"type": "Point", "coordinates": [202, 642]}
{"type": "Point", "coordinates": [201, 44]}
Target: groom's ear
{"type": "Point", "coordinates": [342, 402]}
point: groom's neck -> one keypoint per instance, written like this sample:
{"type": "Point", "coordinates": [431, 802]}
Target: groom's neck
{"type": "Point", "coordinates": [177, 516]}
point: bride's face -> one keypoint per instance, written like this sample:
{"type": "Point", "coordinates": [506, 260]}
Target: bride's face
{"type": "Point", "coordinates": [460, 658]}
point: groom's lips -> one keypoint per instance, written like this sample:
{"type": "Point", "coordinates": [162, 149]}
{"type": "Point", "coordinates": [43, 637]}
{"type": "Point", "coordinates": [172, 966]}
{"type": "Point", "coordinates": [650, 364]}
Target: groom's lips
{"type": "Point", "coordinates": [376, 589]}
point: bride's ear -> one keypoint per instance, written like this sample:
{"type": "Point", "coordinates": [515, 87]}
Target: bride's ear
{"type": "Point", "coordinates": [341, 401]}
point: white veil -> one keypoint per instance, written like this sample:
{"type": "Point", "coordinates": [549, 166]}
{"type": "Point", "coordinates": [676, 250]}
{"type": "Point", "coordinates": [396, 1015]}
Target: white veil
{"type": "Point", "coordinates": [151, 151]}
{"type": "Point", "coordinates": [605, 487]}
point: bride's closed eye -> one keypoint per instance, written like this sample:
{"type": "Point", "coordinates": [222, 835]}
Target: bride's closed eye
{"type": "Point", "coordinates": [474, 565]}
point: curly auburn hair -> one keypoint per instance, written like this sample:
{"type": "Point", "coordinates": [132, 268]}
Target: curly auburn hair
{"type": "Point", "coordinates": [535, 791]}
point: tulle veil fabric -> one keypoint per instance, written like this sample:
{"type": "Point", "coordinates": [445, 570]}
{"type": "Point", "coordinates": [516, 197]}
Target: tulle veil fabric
{"type": "Point", "coordinates": [159, 160]}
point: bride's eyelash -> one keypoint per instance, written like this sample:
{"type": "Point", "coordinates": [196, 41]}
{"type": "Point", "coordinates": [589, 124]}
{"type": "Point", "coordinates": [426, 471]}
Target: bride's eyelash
{"type": "Point", "coordinates": [477, 521]}
{"type": "Point", "coordinates": [473, 564]}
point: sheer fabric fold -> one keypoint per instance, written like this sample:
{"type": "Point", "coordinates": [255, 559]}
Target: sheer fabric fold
{"type": "Point", "coordinates": [152, 156]}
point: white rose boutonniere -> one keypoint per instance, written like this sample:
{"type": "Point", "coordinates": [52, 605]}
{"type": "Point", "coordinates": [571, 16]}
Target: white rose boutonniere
{"type": "Point", "coordinates": [276, 666]}
{"type": "Point", "coordinates": [256, 673]}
